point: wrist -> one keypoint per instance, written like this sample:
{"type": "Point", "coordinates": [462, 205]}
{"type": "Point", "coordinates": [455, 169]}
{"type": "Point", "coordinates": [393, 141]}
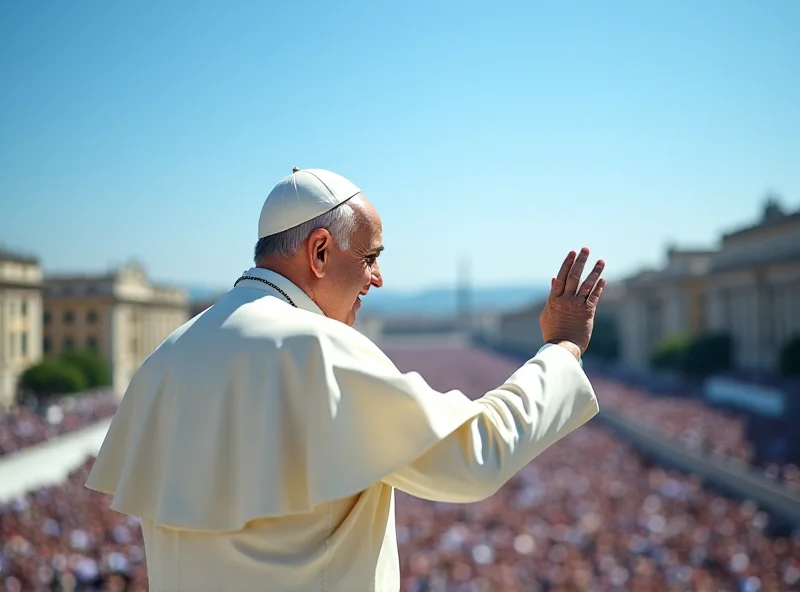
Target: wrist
{"type": "Point", "coordinates": [570, 346]}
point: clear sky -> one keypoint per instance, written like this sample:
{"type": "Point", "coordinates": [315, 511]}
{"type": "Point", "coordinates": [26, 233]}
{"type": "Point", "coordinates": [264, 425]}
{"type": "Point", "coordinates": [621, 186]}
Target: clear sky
{"type": "Point", "coordinates": [509, 132]}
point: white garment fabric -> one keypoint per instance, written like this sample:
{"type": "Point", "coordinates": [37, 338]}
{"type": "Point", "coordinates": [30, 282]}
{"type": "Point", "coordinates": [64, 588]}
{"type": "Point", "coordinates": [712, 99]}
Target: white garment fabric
{"type": "Point", "coordinates": [260, 445]}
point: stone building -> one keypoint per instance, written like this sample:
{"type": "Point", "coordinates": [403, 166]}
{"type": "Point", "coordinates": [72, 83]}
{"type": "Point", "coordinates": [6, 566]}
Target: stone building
{"type": "Point", "coordinates": [20, 320]}
{"type": "Point", "coordinates": [749, 287]}
{"type": "Point", "coordinates": [121, 315]}
{"type": "Point", "coordinates": [660, 303]}
{"type": "Point", "coordinates": [754, 287]}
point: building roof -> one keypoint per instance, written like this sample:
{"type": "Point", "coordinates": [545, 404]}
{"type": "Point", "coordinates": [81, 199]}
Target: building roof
{"type": "Point", "coordinates": [684, 252]}
{"type": "Point", "coordinates": [756, 259]}
{"type": "Point", "coordinates": [773, 216]}
{"type": "Point", "coordinates": [79, 277]}
{"type": "Point", "coordinates": [16, 257]}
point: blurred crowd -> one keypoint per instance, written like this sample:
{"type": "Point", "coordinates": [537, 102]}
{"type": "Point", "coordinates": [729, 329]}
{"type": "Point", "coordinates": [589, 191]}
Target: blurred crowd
{"type": "Point", "coordinates": [590, 514]}
{"type": "Point", "coordinates": [691, 423]}
{"type": "Point", "coordinates": [35, 422]}
{"type": "Point", "coordinates": [66, 538]}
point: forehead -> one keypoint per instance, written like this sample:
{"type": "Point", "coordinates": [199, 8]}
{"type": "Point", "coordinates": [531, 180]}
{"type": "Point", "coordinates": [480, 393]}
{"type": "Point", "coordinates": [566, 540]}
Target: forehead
{"type": "Point", "coordinates": [369, 237]}
{"type": "Point", "coordinates": [370, 228]}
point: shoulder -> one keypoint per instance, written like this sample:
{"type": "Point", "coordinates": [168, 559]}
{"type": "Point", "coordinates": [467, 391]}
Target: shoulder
{"type": "Point", "coordinates": [339, 340]}
{"type": "Point", "coordinates": [268, 327]}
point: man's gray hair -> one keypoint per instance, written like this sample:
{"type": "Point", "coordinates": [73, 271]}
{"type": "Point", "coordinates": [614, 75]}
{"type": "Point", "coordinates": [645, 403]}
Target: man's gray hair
{"type": "Point", "coordinates": [340, 222]}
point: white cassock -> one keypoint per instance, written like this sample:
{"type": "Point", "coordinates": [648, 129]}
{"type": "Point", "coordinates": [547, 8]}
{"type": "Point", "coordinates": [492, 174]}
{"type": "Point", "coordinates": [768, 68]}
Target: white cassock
{"type": "Point", "coordinates": [260, 445]}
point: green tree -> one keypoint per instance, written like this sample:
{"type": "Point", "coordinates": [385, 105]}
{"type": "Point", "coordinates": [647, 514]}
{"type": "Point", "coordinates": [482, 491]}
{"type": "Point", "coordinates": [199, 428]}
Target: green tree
{"type": "Point", "coordinates": [605, 340]}
{"type": "Point", "coordinates": [708, 354]}
{"type": "Point", "coordinates": [790, 357]}
{"type": "Point", "coordinates": [51, 377]}
{"type": "Point", "coordinates": [91, 365]}
{"type": "Point", "coordinates": [671, 353]}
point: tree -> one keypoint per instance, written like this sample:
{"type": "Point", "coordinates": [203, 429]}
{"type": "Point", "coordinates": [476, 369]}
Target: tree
{"type": "Point", "coordinates": [708, 354]}
{"type": "Point", "coordinates": [51, 377]}
{"type": "Point", "coordinates": [91, 365]}
{"type": "Point", "coordinates": [605, 340]}
{"type": "Point", "coordinates": [671, 352]}
{"type": "Point", "coordinates": [790, 357]}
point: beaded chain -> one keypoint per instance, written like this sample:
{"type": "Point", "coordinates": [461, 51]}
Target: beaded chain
{"type": "Point", "coordinates": [270, 284]}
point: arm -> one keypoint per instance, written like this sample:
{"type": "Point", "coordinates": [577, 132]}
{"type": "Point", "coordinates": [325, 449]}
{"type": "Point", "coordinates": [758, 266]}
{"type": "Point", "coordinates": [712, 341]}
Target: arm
{"type": "Point", "coordinates": [539, 404]}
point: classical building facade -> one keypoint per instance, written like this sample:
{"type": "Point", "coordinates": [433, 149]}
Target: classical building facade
{"type": "Point", "coordinates": [20, 320]}
{"type": "Point", "coordinates": [749, 287]}
{"type": "Point", "coordinates": [657, 304]}
{"type": "Point", "coordinates": [754, 287]}
{"type": "Point", "coordinates": [121, 315]}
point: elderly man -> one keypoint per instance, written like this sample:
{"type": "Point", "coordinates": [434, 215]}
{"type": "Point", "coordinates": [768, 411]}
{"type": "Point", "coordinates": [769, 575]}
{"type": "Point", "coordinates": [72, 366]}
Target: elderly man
{"type": "Point", "coordinates": [261, 443]}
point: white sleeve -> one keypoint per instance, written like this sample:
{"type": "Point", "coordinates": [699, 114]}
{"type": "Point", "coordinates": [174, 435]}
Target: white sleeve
{"type": "Point", "coordinates": [543, 401]}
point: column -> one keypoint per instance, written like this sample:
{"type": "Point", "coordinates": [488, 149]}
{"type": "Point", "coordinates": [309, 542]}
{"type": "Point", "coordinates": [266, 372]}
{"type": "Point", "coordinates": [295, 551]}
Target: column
{"type": "Point", "coordinates": [718, 304]}
{"type": "Point", "coordinates": [36, 330]}
{"type": "Point", "coordinates": [6, 391]}
{"type": "Point", "coordinates": [673, 315]}
{"type": "Point", "coordinates": [633, 329]}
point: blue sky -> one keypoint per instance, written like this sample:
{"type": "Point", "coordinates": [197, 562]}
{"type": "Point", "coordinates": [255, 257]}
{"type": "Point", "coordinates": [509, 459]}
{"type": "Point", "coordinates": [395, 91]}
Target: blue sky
{"type": "Point", "coordinates": [509, 132]}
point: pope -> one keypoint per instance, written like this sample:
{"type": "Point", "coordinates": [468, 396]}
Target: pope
{"type": "Point", "coordinates": [261, 443]}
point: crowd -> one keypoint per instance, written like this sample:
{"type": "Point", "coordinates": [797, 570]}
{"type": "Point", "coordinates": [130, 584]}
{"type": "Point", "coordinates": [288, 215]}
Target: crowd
{"type": "Point", "coordinates": [66, 538]}
{"type": "Point", "coordinates": [590, 514]}
{"type": "Point", "coordinates": [691, 423]}
{"type": "Point", "coordinates": [36, 422]}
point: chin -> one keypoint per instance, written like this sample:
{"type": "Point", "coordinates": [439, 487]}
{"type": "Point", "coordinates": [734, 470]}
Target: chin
{"type": "Point", "coordinates": [351, 318]}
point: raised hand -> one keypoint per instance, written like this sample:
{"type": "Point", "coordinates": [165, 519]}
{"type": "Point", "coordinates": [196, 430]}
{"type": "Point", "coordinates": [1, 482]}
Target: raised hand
{"type": "Point", "coordinates": [569, 313]}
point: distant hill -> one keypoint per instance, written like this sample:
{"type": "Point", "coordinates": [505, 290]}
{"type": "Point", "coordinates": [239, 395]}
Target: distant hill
{"type": "Point", "coordinates": [426, 302]}
{"type": "Point", "coordinates": [203, 293]}
{"type": "Point", "coordinates": [444, 301]}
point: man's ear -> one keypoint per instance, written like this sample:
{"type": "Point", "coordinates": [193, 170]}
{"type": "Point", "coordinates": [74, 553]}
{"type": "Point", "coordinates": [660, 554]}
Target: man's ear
{"type": "Point", "coordinates": [319, 251]}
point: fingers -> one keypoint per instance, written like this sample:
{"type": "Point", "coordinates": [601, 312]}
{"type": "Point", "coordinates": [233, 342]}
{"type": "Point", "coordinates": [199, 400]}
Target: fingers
{"type": "Point", "coordinates": [557, 288]}
{"type": "Point", "coordinates": [575, 273]}
{"type": "Point", "coordinates": [594, 297]}
{"type": "Point", "coordinates": [589, 283]}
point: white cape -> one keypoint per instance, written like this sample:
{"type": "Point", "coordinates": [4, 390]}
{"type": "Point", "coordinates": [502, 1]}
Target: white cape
{"type": "Point", "coordinates": [256, 409]}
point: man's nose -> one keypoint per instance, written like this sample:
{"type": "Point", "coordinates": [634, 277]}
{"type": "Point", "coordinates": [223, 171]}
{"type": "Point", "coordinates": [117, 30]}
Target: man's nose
{"type": "Point", "coordinates": [377, 278]}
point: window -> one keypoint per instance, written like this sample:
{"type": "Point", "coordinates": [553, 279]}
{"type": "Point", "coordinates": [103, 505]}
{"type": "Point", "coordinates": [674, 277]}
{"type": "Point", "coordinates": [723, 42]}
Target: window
{"type": "Point", "coordinates": [23, 308]}
{"type": "Point", "coordinates": [46, 317]}
{"type": "Point", "coordinates": [46, 347]}
{"type": "Point", "coordinates": [12, 344]}
{"type": "Point", "coordinates": [69, 344]}
{"type": "Point", "coordinates": [23, 344]}
{"type": "Point", "coordinates": [69, 317]}
{"type": "Point", "coordinates": [91, 343]}
{"type": "Point", "coordinates": [91, 317]}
